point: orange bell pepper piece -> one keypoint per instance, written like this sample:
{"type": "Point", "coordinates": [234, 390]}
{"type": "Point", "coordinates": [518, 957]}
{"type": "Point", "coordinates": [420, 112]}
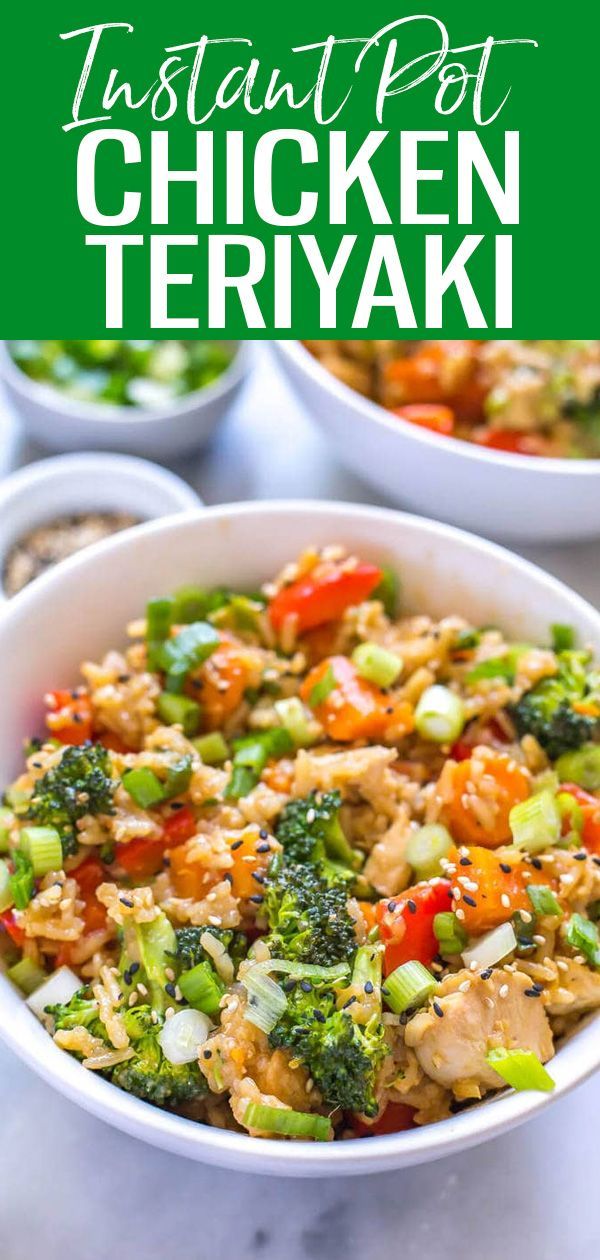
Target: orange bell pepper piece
{"type": "Point", "coordinates": [353, 708]}
{"type": "Point", "coordinates": [505, 783]}
{"type": "Point", "coordinates": [70, 715]}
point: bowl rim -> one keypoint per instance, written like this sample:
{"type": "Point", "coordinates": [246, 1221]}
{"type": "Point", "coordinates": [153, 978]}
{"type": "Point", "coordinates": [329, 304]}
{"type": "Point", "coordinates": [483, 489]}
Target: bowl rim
{"type": "Point", "coordinates": [576, 1061]}
{"type": "Point", "coordinates": [45, 394]}
{"type": "Point", "coordinates": [456, 447]}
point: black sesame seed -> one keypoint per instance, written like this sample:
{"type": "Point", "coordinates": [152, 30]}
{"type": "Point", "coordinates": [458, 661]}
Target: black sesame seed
{"type": "Point", "coordinates": [532, 992]}
{"type": "Point", "coordinates": [392, 906]}
{"type": "Point", "coordinates": [236, 845]}
{"type": "Point", "coordinates": [389, 710]}
{"type": "Point", "coordinates": [170, 989]}
{"type": "Point", "coordinates": [177, 805]}
{"type": "Point", "coordinates": [127, 977]}
{"type": "Point", "coordinates": [122, 678]}
{"type": "Point", "coordinates": [260, 879]}
{"type": "Point", "coordinates": [485, 975]}
{"type": "Point", "coordinates": [126, 902]}
{"type": "Point", "coordinates": [412, 905]}
{"type": "Point", "coordinates": [263, 848]}
{"type": "Point", "coordinates": [263, 835]}
{"type": "Point", "coordinates": [133, 967]}
{"type": "Point", "coordinates": [580, 857]}
{"type": "Point", "coordinates": [466, 862]}
{"type": "Point", "coordinates": [207, 1054]}
{"type": "Point", "coordinates": [348, 1003]}
{"type": "Point", "coordinates": [535, 862]}
{"type": "Point", "coordinates": [506, 868]}
{"type": "Point", "coordinates": [257, 898]}
{"type": "Point", "coordinates": [319, 1016]}
{"type": "Point", "coordinates": [289, 985]}
{"type": "Point", "coordinates": [469, 901]}
{"type": "Point", "coordinates": [228, 877]}
{"type": "Point", "coordinates": [438, 1010]}
{"type": "Point", "coordinates": [306, 986]}
{"type": "Point", "coordinates": [596, 861]}
{"type": "Point", "coordinates": [368, 986]}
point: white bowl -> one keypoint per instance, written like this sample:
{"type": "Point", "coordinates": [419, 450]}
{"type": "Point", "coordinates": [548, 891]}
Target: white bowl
{"type": "Point", "coordinates": [67, 424]}
{"type": "Point", "coordinates": [67, 484]}
{"type": "Point", "coordinates": [83, 607]}
{"type": "Point", "coordinates": [513, 497]}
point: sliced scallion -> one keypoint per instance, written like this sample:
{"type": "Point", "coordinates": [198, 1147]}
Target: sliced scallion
{"type": "Point", "coordinates": [287, 1123]}
{"type": "Point", "coordinates": [323, 688]}
{"type": "Point", "coordinates": [449, 933]}
{"type": "Point", "coordinates": [189, 604]}
{"type": "Point", "coordinates": [425, 849]}
{"type": "Point", "coordinates": [376, 664]}
{"type": "Point", "coordinates": [42, 845]}
{"type": "Point", "coordinates": [143, 786]}
{"type": "Point", "coordinates": [583, 936]}
{"type": "Point", "coordinates": [179, 711]}
{"type": "Point", "coordinates": [491, 948]}
{"type": "Point", "coordinates": [212, 748]}
{"type": "Point", "coordinates": [22, 881]}
{"type": "Point", "coordinates": [439, 715]}
{"type": "Point", "coordinates": [6, 892]}
{"type": "Point", "coordinates": [543, 900]}
{"type": "Point", "coordinates": [520, 1068]}
{"type": "Point", "coordinates": [563, 636]}
{"type": "Point", "coordinates": [582, 766]}
{"type": "Point", "coordinates": [187, 650]}
{"type": "Point", "coordinates": [536, 823]}
{"type": "Point", "coordinates": [388, 590]}
{"type": "Point", "coordinates": [26, 975]}
{"type": "Point", "coordinates": [408, 987]}
{"type": "Point", "coordinates": [202, 988]}
{"type": "Point", "coordinates": [266, 1000]}
{"type": "Point", "coordinates": [297, 721]}
{"type": "Point", "coordinates": [6, 822]}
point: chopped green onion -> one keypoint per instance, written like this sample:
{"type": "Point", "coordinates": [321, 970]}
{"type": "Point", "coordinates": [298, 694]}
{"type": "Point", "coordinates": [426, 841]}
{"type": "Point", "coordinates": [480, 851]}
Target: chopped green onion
{"type": "Point", "coordinates": [569, 808]}
{"type": "Point", "coordinates": [449, 932]}
{"type": "Point", "coordinates": [158, 627]}
{"type": "Point", "coordinates": [425, 849]}
{"type": "Point", "coordinates": [189, 604]}
{"type": "Point", "coordinates": [376, 664]}
{"type": "Point", "coordinates": [202, 988]}
{"type": "Point", "coordinates": [581, 766]}
{"type": "Point", "coordinates": [26, 975]}
{"type": "Point", "coordinates": [250, 758]}
{"type": "Point", "coordinates": [186, 651]}
{"type": "Point", "coordinates": [6, 892]}
{"type": "Point", "coordinates": [6, 822]}
{"type": "Point", "coordinates": [563, 637]}
{"type": "Point", "coordinates": [466, 640]}
{"type": "Point", "coordinates": [17, 799]}
{"type": "Point", "coordinates": [323, 688]}
{"type": "Point", "coordinates": [388, 590]}
{"type": "Point", "coordinates": [304, 971]}
{"type": "Point", "coordinates": [287, 1123]}
{"type": "Point", "coordinates": [144, 787]}
{"type": "Point", "coordinates": [266, 1000]}
{"type": "Point", "coordinates": [520, 1068]}
{"type": "Point", "coordinates": [409, 986]}
{"type": "Point", "coordinates": [495, 667]}
{"type": "Point", "coordinates": [42, 845]}
{"type": "Point", "coordinates": [297, 721]}
{"type": "Point", "coordinates": [439, 715]}
{"type": "Point", "coordinates": [536, 823]}
{"type": "Point", "coordinates": [582, 935]}
{"type": "Point", "coordinates": [180, 711]}
{"type": "Point", "coordinates": [212, 748]}
{"type": "Point", "coordinates": [491, 948]}
{"type": "Point", "coordinates": [543, 900]}
{"type": "Point", "coordinates": [22, 881]}
{"type": "Point", "coordinates": [178, 779]}
{"type": "Point", "coordinates": [182, 1035]}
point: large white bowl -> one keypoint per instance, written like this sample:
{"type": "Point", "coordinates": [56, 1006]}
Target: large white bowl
{"type": "Point", "coordinates": [513, 497]}
{"type": "Point", "coordinates": [62, 423]}
{"type": "Point", "coordinates": [80, 610]}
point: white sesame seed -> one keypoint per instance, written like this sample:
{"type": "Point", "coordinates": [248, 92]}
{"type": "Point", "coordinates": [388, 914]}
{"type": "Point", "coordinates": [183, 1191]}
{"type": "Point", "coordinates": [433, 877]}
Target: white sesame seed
{"type": "Point", "coordinates": [487, 1001]}
{"type": "Point", "coordinates": [214, 920]}
{"type": "Point", "coordinates": [460, 914]}
{"type": "Point", "coordinates": [465, 986]}
{"type": "Point", "coordinates": [526, 916]}
{"type": "Point", "coordinates": [562, 965]}
{"type": "Point", "coordinates": [170, 974]}
{"type": "Point", "coordinates": [473, 966]}
{"type": "Point", "coordinates": [503, 991]}
{"type": "Point", "coordinates": [539, 940]}
{"type": "Point", "coordinates": [505, 900]}
{"type": "Point", "coordinates": [141, 988]}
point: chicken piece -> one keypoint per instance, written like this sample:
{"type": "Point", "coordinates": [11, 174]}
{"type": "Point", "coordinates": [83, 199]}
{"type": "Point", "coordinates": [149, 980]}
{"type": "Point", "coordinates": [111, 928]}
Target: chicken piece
{"type": "Point", "coordinates": [239, 1051]}
{"type": "Point", "coordinates": [577, 990]}
{"type": "Point", "coordinates": [489, 1013]}
{"type": "Point", "coordinates": [386, 867]}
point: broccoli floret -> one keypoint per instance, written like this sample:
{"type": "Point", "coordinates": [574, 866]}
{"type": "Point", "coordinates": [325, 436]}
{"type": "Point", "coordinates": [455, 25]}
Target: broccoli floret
{"type": "Point", "coordinates": [189, 951]}
{"type": "Point", "coordinates": [342, 1055]}
{"type": "Point", "coordinates": [547, 712]}
{"type": "Point", "coordinates": [149, 1075]}
{"type": "Point", "coordinates": [308, 917]}
{"type": "Point", "coordinates": [149, 949]}
{"type": "Point", "coordinates": [310, 831]}
{"type": "Point", "coordinates": [80, 1012]}
{"type": "Point", "coordinates": [79, 784]}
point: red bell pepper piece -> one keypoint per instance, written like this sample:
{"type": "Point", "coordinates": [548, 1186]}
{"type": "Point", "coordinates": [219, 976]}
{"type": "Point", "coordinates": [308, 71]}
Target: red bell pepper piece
{"type": "Point", "coordinates": [590, 806]}
{"type": "Point", "coordinates": [433, 416]}
{"type": "Point", "coordinates": [406, 924]}
{"type": "Point", "coordinates": [396, 1118]}
{"type": "Point", "coordinates": [142, 858]}
{"type": "Point", "coordinates": [10, 925]}
{"type": "Point", "coordinates": [323, 595]}
{"type": "Point", "coordinates": [70, 715]}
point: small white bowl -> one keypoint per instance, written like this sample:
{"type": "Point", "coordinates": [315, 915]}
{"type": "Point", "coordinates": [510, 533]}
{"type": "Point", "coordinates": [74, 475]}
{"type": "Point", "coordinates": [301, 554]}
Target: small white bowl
{"type": "Point", "coordinates": [62, 423]}
{"type": "Point", "coordinates": [80, 609]}
{"type": "Point", "coordinates": [86, 483]}
{"type": "Point", "coordinates": [518, 498]}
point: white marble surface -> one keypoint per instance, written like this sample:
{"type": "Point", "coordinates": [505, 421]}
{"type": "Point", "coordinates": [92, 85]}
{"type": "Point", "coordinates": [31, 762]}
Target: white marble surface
{"type": "Point", "coordinates": [72, 1187]}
